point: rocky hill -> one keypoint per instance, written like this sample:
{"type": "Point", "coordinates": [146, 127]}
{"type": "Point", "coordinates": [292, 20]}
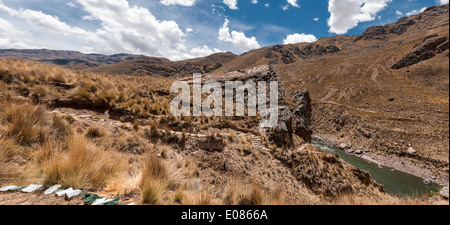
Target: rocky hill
{"type": "Point", "coordinates": [386, 92]}
{"type": "Point", "coordinates": [69, 59]}
{"type": "Point", "coordinates": [152, 66]}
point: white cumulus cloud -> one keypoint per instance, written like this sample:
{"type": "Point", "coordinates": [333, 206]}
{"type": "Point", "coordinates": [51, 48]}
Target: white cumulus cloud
{"type": "Point", "coordinates": [298, 38]}
{"type": "Point", "coordinates": [346, 14]}
{"type": "Point", "coordinates": [124, 28]}
{"type": "Point", "coordinates": [416, 11]}
{"type": "Point", "coordinates": [293, 3]}
{"type": "Point", "coordinates": [11, 36]}
{"type": "Point", "coordinates": [203, 51]}
{"type": "Point", "coordinates": [442, 2]}
{"type": "Point", "coordinates": [238, 39]}
{"type": "Point", "coordinates": [178, 2]}
{"type": "Point", "coordinates": [232, 4]}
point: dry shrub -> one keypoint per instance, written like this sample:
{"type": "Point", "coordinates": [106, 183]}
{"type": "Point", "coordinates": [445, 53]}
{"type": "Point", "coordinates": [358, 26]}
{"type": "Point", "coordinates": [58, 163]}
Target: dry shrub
{"type": "Point", "coordinates": [46, 151]}
{"type": "Point", "coordinates": [236, 193]}
{"type": "Point", "coordinates": [200, 197]}
{"type": "Point", "coordinates": [62, 126]}
{"type": "Point", "coordinates": [81, 94]}
{"type": "Point", "coordinates": [95, 132]}
{"type": "Point", "coordinates": [165, 150]}
{"type": "Point", "coordinates": [83, 165]}
{"type": "Point", "coordinates": [8, 149]}
{"type": "Point", "coordinates": [107, 96]}
{"type": "Point", "coordinates": [26, 122]}
{"type": "Point", "coordinates": [154, 181]}
{"type": "Point", "coordinates": [58, 78]}
{"type": "Point", "coordinates": [254, 197]}
{"type": "Point", "coordinates": [41, 91]}
{"type": "Point", "coordinates": [133, 144]}
{"type": "Point", "coordinates": [203, 197]}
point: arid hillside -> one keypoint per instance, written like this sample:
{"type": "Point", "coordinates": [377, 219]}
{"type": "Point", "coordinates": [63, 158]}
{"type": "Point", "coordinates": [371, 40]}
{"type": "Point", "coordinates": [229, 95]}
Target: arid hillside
{"type": "Point", "coordinates": [386, 91]}
{"type": "Point", "coordinates": [68, 59]}
{"type": "Point", "coordinates": [383, 93]}
{"type": "Point", "coordinates": [151, 66]}
{"type": "Point", "coordinates": [96, 133]}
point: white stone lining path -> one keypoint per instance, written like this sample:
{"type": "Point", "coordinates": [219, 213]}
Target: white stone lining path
{"type": "Point", "coordinates": [68, 194]}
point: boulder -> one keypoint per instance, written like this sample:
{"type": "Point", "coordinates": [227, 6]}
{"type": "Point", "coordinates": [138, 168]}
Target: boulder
{"type": "Point", "coordinates": [345, 146]}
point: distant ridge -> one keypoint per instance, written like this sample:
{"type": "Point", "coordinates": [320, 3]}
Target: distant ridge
{"type": "Point", "coordinates": [70, 59]}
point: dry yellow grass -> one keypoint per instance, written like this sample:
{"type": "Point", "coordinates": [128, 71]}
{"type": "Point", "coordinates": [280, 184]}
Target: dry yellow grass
{"type": "Point", "coordinates": [154, 181]}
{"type": "Point", "coordinates": [95, 132]}
{"type": "Point", "coordinates": [411, 200]}
{"type": "Point", "coordinates": [84, 165]}
{"type": "Point", "coordinates": [45, 81]}
{"type": "Point", "coordinates": [8, 149]}
{"type": "Point", "coordinates": [25, 122]}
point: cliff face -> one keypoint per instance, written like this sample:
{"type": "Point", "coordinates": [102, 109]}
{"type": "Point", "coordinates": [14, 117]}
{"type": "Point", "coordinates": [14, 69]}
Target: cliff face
{"type": "Point", "coordinates": [294, 114]}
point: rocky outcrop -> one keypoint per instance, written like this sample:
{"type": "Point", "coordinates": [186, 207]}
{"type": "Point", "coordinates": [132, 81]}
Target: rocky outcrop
{"type": "Point", "coordinates": [286, 56]}
{"type": "Point", "coordinates": [424, 52]}
{"type": "Point", "coordinates": [381, 32]}
{"type": "Point", "coordinates": [315, 50]}
{"type": "Point", "coordinates": [402, 25]}
{"type": "Point", "coordinates": [293, 122]}
{"type": "Point", "coordinates": [290, 55]}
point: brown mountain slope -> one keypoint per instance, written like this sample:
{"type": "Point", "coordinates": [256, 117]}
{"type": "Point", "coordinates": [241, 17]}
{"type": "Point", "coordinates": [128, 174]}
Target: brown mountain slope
{"type": "Point", "coordinates": [385, 91]}
{"type": "Point", "coordinates": [69, 59]}
{"type": "Point", "coordinates": [164, 67]}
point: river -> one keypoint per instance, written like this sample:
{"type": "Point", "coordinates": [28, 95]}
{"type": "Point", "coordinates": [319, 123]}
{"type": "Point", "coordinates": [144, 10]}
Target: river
{"type": "Point", "coordinates": [395, 182]}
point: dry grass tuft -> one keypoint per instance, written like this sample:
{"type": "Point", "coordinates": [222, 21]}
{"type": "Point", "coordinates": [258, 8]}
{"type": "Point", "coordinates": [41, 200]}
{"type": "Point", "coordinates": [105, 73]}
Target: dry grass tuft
{"type": "Point", "coordinates": [62, 126]}
{"type": "Point", "coordinates": [8, 149]}
{"type": "Point", "coordinates": [154, 181]}
{"type": "Point", "coordinates": [254, 197]}
{"type": "Point", "coordinates": [83, 166]}
{"type": "Point", "coordinates": [25, 122]}
{"type": "Point", "coordinates": [95, 132]}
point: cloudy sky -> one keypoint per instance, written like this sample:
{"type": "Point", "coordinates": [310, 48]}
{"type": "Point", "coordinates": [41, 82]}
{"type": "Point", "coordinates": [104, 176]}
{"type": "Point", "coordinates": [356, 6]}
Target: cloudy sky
{"type": "Point", "coordinates": [181, 29]}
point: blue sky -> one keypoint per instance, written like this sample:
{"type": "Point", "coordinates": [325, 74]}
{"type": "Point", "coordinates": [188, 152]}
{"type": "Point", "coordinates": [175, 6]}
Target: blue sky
{"type": "Point", "coordinates": [180, 29]}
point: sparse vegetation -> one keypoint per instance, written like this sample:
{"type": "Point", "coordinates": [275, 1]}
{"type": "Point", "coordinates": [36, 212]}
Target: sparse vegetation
{"type": "Point", "coordinates": [25, 122]}
{"type": "Point", "coordinates": [95, 132]}
{"type": "Point", "coordinates": [154, 180]}
{"type": "Point", "coordinates": [84, 165]}
{"type": "Point", "coordinates": [130, 145]}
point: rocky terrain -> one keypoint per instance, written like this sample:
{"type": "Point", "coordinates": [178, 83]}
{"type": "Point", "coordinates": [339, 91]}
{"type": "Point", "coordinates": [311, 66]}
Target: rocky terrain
{"type": "Point", "coordinates": [384, 92]}
{"type": "Point", "coordinates": [208, 160]}
{"type": "Point", "coordinates": [382, 96]}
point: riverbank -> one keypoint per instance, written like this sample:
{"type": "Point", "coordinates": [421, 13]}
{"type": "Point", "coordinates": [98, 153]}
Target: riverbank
{"type": "Point", "coordinates": [403, 164]}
